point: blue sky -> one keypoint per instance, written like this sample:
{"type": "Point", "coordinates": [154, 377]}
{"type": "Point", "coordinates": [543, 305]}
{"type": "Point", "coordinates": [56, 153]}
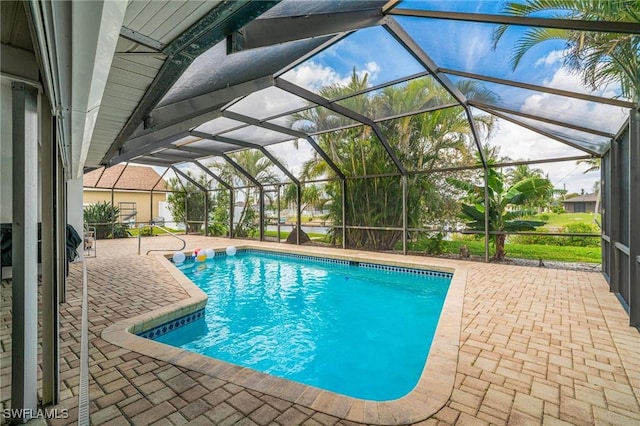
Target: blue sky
{"type": "Point", "coordinates": [464, 46]}
{"type": "Point", "coordinates": [468, 46]}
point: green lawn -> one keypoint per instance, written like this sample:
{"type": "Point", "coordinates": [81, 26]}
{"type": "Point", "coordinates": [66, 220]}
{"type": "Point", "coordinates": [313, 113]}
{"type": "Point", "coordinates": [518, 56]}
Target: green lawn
{"type": "Point", "coordinates": [156, 231]}
{"type": "Point", "coordinates": [285, 234]}
{"type": "Point", "coordinates": [564, 219]}
{"type": "Point", "coordinates": [524, 251]}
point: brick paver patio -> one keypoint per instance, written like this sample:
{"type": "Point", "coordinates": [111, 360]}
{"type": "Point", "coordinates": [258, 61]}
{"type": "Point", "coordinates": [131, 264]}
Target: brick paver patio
{"type": "Point", "coordinates": [538, 346]}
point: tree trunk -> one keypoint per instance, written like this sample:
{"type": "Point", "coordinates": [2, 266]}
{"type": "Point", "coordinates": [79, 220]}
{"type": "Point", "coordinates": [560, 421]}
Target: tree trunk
{"type": "Point", "coordinates": [500, 254]}
{"type": "Point", "coordinates": [240, 230]}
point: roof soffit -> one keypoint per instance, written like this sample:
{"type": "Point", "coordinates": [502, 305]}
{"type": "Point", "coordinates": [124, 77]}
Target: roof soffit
{"type": "Point", "coordinates": [209, 30]}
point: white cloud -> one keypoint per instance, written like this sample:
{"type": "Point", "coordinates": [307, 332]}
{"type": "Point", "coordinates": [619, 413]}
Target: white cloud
{"type": "Point", "coordinates": [565, 79]}
{"type": "Point", "coordinates": [521, 144]}
{"type": "Point", "coordinates": [571, 110]}
{"type": "Point", "coordinates": [267, 102]}
{"type": "Point", "coordinates": [478, 45]}
{"type": "Point", "coordinates": [292, 158]}
{"type": "Point", "coordinates": [313, 76]}
{"type": "Point", "coordinates": [189, 168]}
{"type": "Point", "coordinates": [371, 68]}
{"type": "Point", "coordinates": [554, 57]}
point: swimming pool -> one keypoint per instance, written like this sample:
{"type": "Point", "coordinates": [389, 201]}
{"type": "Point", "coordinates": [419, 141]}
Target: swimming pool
{"type": "Point", "coordinates": [358, 329]}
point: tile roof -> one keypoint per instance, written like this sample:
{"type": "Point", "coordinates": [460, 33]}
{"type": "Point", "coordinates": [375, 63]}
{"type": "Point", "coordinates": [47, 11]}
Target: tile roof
{"type": "Point", "coordinates": [585, 198]}
{"type": "Point", "coordinates": [125, 177]}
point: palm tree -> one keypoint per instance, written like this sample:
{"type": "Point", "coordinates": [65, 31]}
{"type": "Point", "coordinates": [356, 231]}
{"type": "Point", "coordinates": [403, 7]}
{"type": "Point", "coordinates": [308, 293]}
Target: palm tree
{"type": "Point", "coordinates": [523, 171]}
{"type": "Point", "coordinates": [600, 58]}
{"type": "Point", "coordinates": [423, 141]}
{"type": "Point", "coordinates": [312, 197]}
{"type": "Point", "coordinates": [188, 206]}
{"type": "Point", "coordinates": [257, 165]}
{"type": "Point", "coordinates": [592, 163]}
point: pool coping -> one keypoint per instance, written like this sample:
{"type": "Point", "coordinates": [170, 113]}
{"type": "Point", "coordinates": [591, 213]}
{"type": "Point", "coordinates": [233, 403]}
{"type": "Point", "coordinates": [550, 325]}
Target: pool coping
{"type": "Point", "coordinates": [432, 392]}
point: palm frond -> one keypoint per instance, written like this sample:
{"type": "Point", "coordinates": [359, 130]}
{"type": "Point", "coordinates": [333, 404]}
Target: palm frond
{"type": "Point", "coordinates": [462, 185]}
{"type": "Point", "coordinates": [532, 38]}
{"type": "Point", "coordinates": [473, 213]}
{"type": "Point", "coordinates": [533, 186]}
{"type": "Point", "coordinates": [600, 58]}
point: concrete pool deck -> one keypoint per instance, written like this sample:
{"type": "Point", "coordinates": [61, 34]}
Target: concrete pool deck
{"type": "Point", "coordinates": [536, 346]}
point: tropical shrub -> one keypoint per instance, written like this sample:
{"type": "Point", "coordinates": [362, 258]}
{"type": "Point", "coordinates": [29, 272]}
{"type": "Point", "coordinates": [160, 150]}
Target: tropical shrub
{"type": "Point", "coordinates": [582, 228]}
{"type": "Point", "coordinates": [560, 240]}
{"type": "Point", "coordinates": [545, 240]}
{"type": "Point", "coordinates": [249, 225]}
{"type": "Point", "coordinates": [146, 231]}
{"type": "Point", "coordinates": [219, 220]}
{"type": "Point", "coordinates": [435, 244]}
{"type": "Point", "coordinates": [502, 200]}
{"type": "Point", "coordinates": [187, 206]}
{"type": "Point", "coordinates": [104, 218]}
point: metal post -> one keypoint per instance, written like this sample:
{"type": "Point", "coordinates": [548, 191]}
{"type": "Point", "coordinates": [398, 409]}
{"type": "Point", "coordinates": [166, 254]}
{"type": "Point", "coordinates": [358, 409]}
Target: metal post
{"type": "Point", "coordinates": [405, 219]}
{"type": "Point", "coordinates": [50, 319]}
{"type": "Point", "coordinates": [186, 212]}
{"type": "Point", "coordinates": [486, 214]}
{"type": "Point", "coordinates": [112, 222]}
{"type": "Point", "coordinates": [61, 231]}
{"type": "Point", "coordinates": [634, 218]}
{"type": "Point", "coordinates": [206, 213]}
{"type": "Point", "coordinates": [151, 207]}
{"type": "Point", "coordinates": [344, 213]}
{"type": "Point", "coordinates": [298, 212]}
{"type": "Point", "coordinates": [261, 211]}
{"type": "Point", "coordinates": [614, 221]}
{"type": "Point", "coordinates": [605, 229]}
{"type": "Point", "coordinates": [278, 203]}
{"type": "Point", "coordinates": [24, 330]}
{"type": "Point", "coordinates": [231, 212]}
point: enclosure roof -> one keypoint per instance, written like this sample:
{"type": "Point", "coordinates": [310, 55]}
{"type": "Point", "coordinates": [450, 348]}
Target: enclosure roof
{"type": "Point", "coordinates": [206, 80]}
{"type": "Point", "coordinates": [125, 177]}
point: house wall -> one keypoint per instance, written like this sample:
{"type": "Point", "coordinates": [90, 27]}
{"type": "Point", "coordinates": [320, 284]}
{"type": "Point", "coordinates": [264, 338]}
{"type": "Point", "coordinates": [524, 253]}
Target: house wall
{"type": "Point", "coordinates": [589, 207]}
{"type": "Point", "coordinates": [141, 198]}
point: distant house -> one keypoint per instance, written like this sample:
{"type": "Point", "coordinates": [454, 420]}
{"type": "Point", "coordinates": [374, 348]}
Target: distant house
{"type": "Point", "coordinates": [585, 203]}
{"type": "Point", "coordinates": [129, 188]}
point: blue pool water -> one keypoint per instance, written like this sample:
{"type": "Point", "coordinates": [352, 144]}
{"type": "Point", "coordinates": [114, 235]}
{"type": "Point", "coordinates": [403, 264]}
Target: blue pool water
{"type": "Point", "coordinates": [349, 329]}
